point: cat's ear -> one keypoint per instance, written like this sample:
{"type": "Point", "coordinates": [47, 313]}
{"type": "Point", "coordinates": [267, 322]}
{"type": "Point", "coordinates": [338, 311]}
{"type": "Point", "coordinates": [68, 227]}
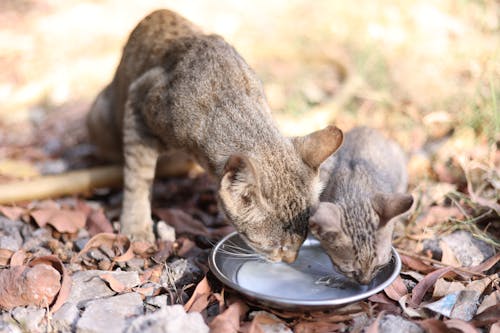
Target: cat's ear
{"type": "Point", "coordinates": [326, 221]}
{"type": "Point", "coordinates": [316, 147]}
{"type": "Point", "coordinates": [238, 183]}
{"type": "Point", "coordinates": [388, 206]}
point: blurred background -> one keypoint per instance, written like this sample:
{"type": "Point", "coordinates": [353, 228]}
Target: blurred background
{"type": "Point", "coordinates": [426, 72]}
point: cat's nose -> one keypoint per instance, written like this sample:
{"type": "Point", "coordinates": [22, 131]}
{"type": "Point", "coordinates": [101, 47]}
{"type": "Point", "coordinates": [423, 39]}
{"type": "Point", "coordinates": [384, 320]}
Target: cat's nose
{"type": "Point", "coordinates": [362, 278]}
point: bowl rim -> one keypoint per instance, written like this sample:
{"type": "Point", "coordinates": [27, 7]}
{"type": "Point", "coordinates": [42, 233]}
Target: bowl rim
{"type": "Point", "coordinates": [287, 302]}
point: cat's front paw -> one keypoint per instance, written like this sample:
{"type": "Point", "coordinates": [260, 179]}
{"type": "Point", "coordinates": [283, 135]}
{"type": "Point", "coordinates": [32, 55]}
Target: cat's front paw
{"type": "Point", "coordinates": [143, 234]}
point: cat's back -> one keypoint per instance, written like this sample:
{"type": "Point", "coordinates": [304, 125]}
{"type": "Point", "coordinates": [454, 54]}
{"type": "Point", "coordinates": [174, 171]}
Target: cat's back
{"type": "Point", "coordinates": [151, 39]}
{"type": "Point", "coordinates": [368, 157]}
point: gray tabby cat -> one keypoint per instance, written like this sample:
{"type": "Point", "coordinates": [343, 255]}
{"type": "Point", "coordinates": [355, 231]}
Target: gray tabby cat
{"type": "Point", "coordinates": [177, 88]}
{"type": "Point", "coordinates": [354, 222]}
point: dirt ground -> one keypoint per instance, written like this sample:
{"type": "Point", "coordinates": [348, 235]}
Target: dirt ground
{"type": "Point", "coordinates": [426, 73]}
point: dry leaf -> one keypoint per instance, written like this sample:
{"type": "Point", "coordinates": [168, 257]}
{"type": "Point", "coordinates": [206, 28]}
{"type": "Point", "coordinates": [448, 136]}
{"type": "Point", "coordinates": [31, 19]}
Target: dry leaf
{"type": "Point", "coordinates": [97, 223]}
{"type": "Point", "coordinates": [65, 221]}
{"type": "Point", "coordinates": [12, 213]}
{"type": "Point", "coordinates": [416, 264]}
{"type": "Point", "coordinates": [486, 265]}
{"type": "Point", "coordinates": [461, 325]}
{"type": "Point", "coordinates": [56, 263]}
{"type": "Point", "coordinates": [18, 258]}
{"type": "Point", "coordinates": [200, 298]}
{"type": "Point", "coordinates": [487, 317]}
{"type": "Point", "coordinates": [492, 299]}
{"type": "Point", "coordinates": [443, 288]}
{"type": "Point", "coordinates": [229, 320]}
{"type": "Point", "coordinates": [374, 327]}
{"type": "Point", "coordinates": [264, 319]}
{"type": "Point", "coordinates": [113, 283]}
{"type": "Point", "coordinates": [113, 241]}
{"type": "Point", "coordinates": [396, 290]}
{"type": "Point", "coordinates": [5, 256]}
{"type": "Point", "coordinates": [429, 280]}
{"type": "Point", "coordinates": [433, 326]}
{"type": "Point", "coordinates": [448, 257]}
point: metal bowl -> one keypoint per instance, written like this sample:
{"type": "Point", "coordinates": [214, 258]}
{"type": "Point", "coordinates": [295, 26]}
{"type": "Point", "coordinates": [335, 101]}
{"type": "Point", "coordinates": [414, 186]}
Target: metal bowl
{"type": "Point", "coordinates": [310, 283]}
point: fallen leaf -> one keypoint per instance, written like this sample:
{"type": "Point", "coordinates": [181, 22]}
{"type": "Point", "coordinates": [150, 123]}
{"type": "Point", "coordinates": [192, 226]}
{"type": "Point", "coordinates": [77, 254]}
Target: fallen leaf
{"type": "Point", "coordinates": [486, 265]}
{"type": "Point", "coordinates": [487, 317]}
{"type": "Point", "coordinates": [65, 290]}
{"type": "Point", "coordinates": [429, 280]}
{"type": "Point", "coordinates": [443, 288]}
{"type": "Point", "coordinates": [263, 322]}
{"type": "Point", "coordinates": [229, 320]}
{"type": "Point", "coordinates": [18, 258]}
{"type": "Point", "coordinates": [433, 326]}
{"type": "Point", "coordinates": [410, 312]}
{"type": "Point", "coordinates": [113, 283]}
{"type": "Point", "coordinates": [416, 264]}
{"type": "Point", "coordinates": [396, 290]}
{"type": "Point", "coordinates": [199, 299]}
{"type": "Point", "coordinates": [12, 213]}
{"type": "Point", "coordinates": [461, 325]}
{"type": "Point", "coordinates": [5, 256]}
{"type": "Point", "coordinates": [374, 327]}
{"type": "Point", "coordinates": [448, 257]}
{"type": "Point", "coordinates": [182, 222]}
{"type": "Point", "coordinates": [384, 303]}
{"type": "Point", "coordinates": [64, 221]}
{"type": "Point", "coordinates": [97, 222]}
{"type": "Point", "coordinates": [114, 241]}
{"type": "Point", "coordinates": [489, 301]}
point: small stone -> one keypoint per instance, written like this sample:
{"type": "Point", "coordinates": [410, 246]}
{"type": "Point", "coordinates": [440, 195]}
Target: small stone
{"type": "Point", "coordinates": [9, 327]}
{"type": "Point", "coordinates": [110, 314]}
{"type": "Point", "coordinates": [87, 286]}
{"type": "Point", "coordinates": [29, 318]}
{"type": "Point", "coordinates": [81, 242]}
{"type": "Point", "coordinates": [65, 318]}
{"type": "Point", "coordinates": [468, 250]}
{"type": "Point", "coordinates": [136, 264]}
{"type": "Point", "coordinates": [165, 232]}
{"type": "Point", "coordinates": [179, 273]}
{"type": "Point", "coordinates": [159, 301]}
{"type": "Point", "coordinates": [9, 243]}
{"type": "Point", "coordinates": [395, 324]}
{"type": "Point", "coordinates": [170, 319]}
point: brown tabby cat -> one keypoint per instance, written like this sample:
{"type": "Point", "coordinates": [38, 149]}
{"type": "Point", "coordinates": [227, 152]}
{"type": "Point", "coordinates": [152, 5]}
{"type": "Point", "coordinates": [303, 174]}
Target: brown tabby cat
{"type": "Point", "coordinates": [177, 88]}
{"type": "Point", "coordinates": [365, 181]}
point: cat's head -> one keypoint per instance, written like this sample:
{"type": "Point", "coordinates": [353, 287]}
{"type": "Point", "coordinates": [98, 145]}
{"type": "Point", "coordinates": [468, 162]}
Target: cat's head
{"type": "Point", "coordinates": [359, 248]}
{"type": "Point", "coordinates": [270, 202]}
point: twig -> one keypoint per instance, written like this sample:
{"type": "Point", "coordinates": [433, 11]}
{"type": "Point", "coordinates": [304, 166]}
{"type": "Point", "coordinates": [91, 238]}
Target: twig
{"type": "Point", "coordinates": [436, 262]}
{"type": "Point", "coordinates": [82, 181]}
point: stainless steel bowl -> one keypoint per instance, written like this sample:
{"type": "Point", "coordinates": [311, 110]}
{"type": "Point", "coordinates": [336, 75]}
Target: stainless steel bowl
{"type": "Point", "coordinates": [310, 283]}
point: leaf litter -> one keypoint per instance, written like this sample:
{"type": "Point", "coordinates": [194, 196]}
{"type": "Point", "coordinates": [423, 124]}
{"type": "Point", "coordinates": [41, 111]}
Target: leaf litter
{"type": "Point", "coordinates": [44, 243]}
